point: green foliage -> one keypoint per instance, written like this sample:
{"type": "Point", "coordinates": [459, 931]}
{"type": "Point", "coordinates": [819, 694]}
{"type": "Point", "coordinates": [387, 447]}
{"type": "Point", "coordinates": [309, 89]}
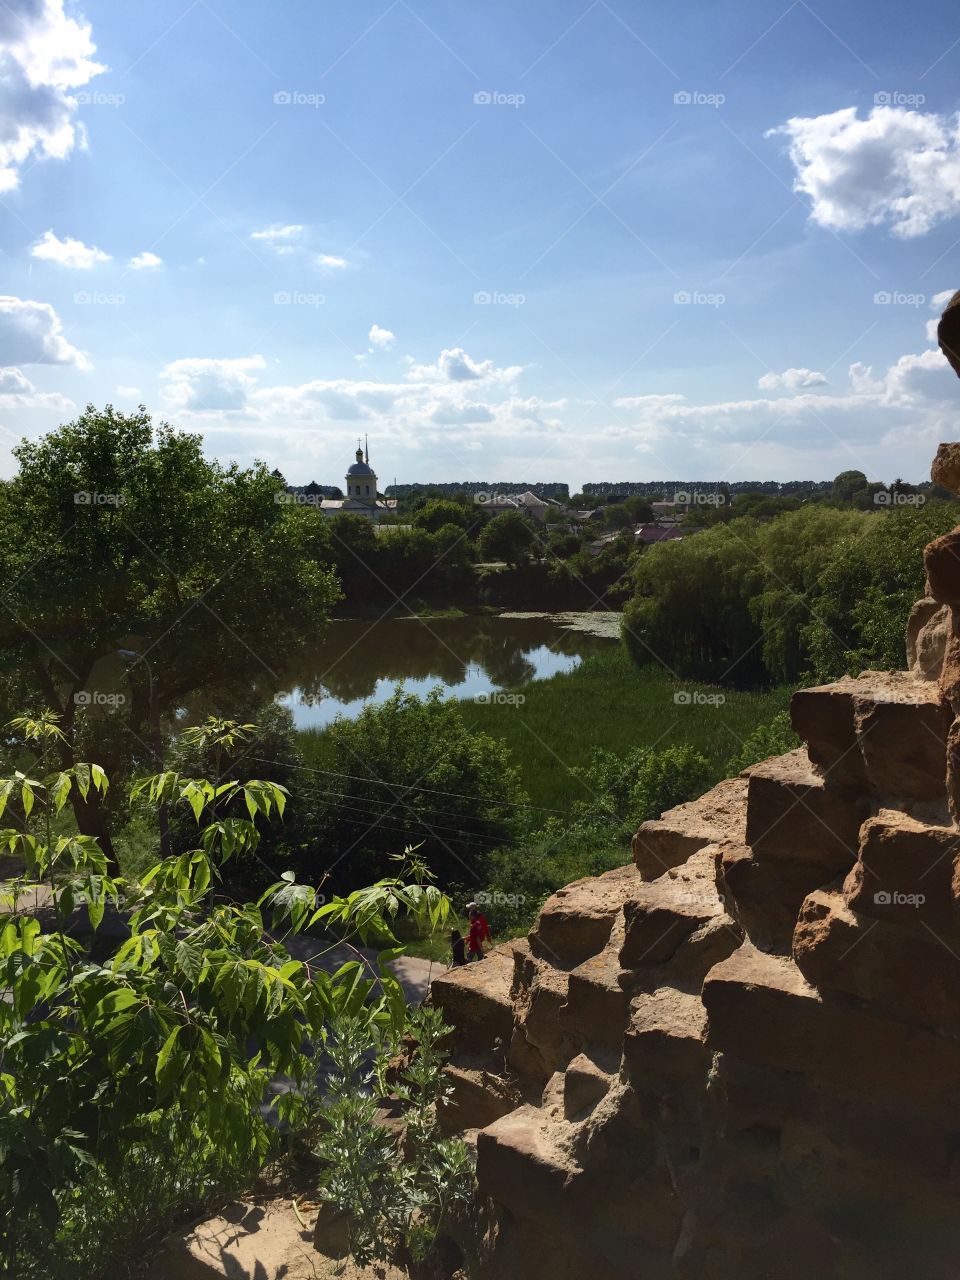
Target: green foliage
{"type": "Point", "coordinates": [773, 739]}
{"type": "Point", "coordinates": [508, 537]}
{"type": "Point", "coordinates": [438, 512]}
{"type": "Point", "coordinates": [394, 1192]}
{"type": "Point", "coordinates": [410, 765]}
{"type": "Point", "coordinates": [814, 592]}
{"type": "Point", "coordinates": [185, 1021]}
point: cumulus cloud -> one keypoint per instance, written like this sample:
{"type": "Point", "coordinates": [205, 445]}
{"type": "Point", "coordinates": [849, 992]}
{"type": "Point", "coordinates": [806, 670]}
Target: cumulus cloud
{"type": "Point", "coordinates": [454, 365]}
{"type": "Point", "coordinates": [330, 262]}
{"type": "Point", "coordinates": [43, 55]}
{"type": "Point", "coordinates": [381, 338]}
{"type": "Point", "coordinates": [68, 253]}
{"type": "Point", "coordinates": [144, 261]}
{"type": "Point", "coordinates": [32, 333]}
{"type": "Point", "coordinates": [791, 380]}
{"type": "Point", "coordinates": [896, 167]}
{"type": "Point", "coordinates": [279, 234]}
{"type": "Point", "coordinates": [204, 385]}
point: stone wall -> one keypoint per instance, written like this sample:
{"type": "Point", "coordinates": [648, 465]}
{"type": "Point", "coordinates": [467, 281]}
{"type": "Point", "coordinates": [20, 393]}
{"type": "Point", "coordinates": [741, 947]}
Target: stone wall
{"type": "Point", "coordinates": [740, 1056]}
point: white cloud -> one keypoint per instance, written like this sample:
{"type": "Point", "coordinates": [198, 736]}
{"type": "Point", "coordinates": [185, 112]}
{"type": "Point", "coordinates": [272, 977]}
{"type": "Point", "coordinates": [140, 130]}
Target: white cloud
{"type": "Point", "coordinates": [201, 385]}
{"type": "Point", "coordinates": [129, 393]}
{"type": "Point", "coordinates": [896, 167]}
{"type": "Point", "coordinates": [68, 253]}
{"type": "Point", "coordinates": [18, 392]}
{"type": "Point", "coordinates": [43, 55]}
{"type": "Point", "coordinates": [279, 234]}
{"type": "Point", "coordinates": [454, 365]}
{"type": "Point", "coordinates": [330, 262]}
{"type": "Point", "coordinates": [381, 338]}
{"type": "Point", "coordinates": [32, 333]}
{"type": "Point", "coordinates": [144, 261]}
{"type": "Point", "coordinates": [791, 380]}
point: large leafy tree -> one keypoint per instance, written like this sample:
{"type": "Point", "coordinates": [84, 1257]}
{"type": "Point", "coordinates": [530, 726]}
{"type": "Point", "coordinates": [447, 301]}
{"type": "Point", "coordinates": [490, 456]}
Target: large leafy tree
{"type": "Point", "coordinates": [136, 568]}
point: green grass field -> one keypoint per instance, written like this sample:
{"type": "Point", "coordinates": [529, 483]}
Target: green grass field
{"type": "Point", "coordinates": [608, 702]}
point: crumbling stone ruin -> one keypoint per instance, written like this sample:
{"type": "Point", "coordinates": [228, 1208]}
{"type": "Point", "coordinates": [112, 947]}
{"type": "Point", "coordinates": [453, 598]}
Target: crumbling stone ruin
{"type": "Point", "coordinates": [738, 1058]}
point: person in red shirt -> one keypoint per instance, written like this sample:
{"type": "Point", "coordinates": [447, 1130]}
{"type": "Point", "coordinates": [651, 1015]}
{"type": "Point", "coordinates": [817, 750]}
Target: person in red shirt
{"type": "Point", "coordinates": [478, 934]}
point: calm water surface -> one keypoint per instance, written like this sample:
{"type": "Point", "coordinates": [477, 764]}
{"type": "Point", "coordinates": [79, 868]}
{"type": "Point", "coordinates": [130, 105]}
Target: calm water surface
{"type": "Point", "coordinates": [361, 662]}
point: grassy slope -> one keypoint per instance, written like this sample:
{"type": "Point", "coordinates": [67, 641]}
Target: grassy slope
{"type": "Point", "coordinates": [607, 702]}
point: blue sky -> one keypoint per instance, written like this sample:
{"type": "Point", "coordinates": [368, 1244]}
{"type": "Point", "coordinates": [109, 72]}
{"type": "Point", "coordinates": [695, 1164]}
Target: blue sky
{"type": "Point", "coordinates": [574, 241]}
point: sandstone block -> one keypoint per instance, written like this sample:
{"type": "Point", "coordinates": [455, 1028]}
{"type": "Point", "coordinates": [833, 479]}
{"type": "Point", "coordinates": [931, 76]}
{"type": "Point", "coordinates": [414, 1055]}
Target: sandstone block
{"type": "Point", "coordinates": [478, 1098]}
{"type": "Point", "coordinates": [671, 839]}
{"type": "Point", "coordinates": [914, 977]}
{"type": "Point", "coordinates": [792, 814]}
{"type": "Point", "coordinates": [942, 560]}
{"type": "Point", "coordinates": [584, 1084]}
{"type": "Point", "coordinates": [597, 1002]}
{"type": "Point", "coordinates": [764, 897]}
{"type": "Point", "coordinates": [928, 629]}
{"type": "Point", "coordinates": [519, 1167]}
{"type": "Point", "coordinates": [761, 1008]}
{"type": "Point", "coordinates": [904, 874]}
{"type": "Point", "coordinates": [945, 470]}
{"type": "Point", "coordinates": [575, 923]}
{"type": "Point", "coordinates": [665, 1040]}
{"type": "Point", "coordinates": [883, 731]}
{"type": "Point", "coordinates": [475, 1000]}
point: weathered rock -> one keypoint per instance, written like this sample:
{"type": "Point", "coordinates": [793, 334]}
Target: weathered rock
{"type": "Point", "coordinates": [942, 560]}
{"type": "Point", "coordinates": [584, 1084]}
{"type": "Point", "coordinates": [904, 874]}
{"type": "Point", "coordinates": [540, 992]}
{"type": "Point", "coordinates": [928, 629]}
{"type": "Point", "coordinates": [764, 897]}
{"type": "Point", "coordinates": [882, 731]}
{"type": "Point", "coordinates": [518, 1166]}
{"type": "Point", "coordinates": [597, 1003]}
{"type": "Point", "coordinates": [945, 470]}
{"type": "Point", "coordinates": [679, 833]}
{"type": "Point", "coordinates": [793, 815]}
{"type": "Point", "coordinates": [475, 1000]}
{"type": "Point", "coordinates": [665, 1041]}
{"type": "Point", "coordinates": [913, 977]}
{"type": "Point", "coordinates": [477, 1098]}
{"type": "Point", "coordinates": [661, 916]}
{"type": "Point", "coordinates": [576, 922]}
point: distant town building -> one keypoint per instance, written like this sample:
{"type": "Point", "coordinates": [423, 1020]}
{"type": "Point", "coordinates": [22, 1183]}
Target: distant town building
{"type": "Point", "coordinates": [361, 488]}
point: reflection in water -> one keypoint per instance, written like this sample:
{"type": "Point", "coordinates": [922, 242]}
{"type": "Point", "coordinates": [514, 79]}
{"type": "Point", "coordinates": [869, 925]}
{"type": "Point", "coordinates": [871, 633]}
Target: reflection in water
{"type": "Point", "coordinates": [359, 662]}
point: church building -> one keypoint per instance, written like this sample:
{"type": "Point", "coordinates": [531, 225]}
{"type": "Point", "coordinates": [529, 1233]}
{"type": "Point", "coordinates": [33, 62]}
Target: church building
{"type": "Point", "coordinates": [361, 490]}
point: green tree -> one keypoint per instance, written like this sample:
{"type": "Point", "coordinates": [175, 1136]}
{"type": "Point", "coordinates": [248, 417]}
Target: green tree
{"type": "Point", "coordinates": [433, 515]}
{"type": "Point", "coordinates": [119, 538]}
{"type": "Point", "coordinates": [411, 765]}
{"type": "Point", "coordinates": [508, 537]}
